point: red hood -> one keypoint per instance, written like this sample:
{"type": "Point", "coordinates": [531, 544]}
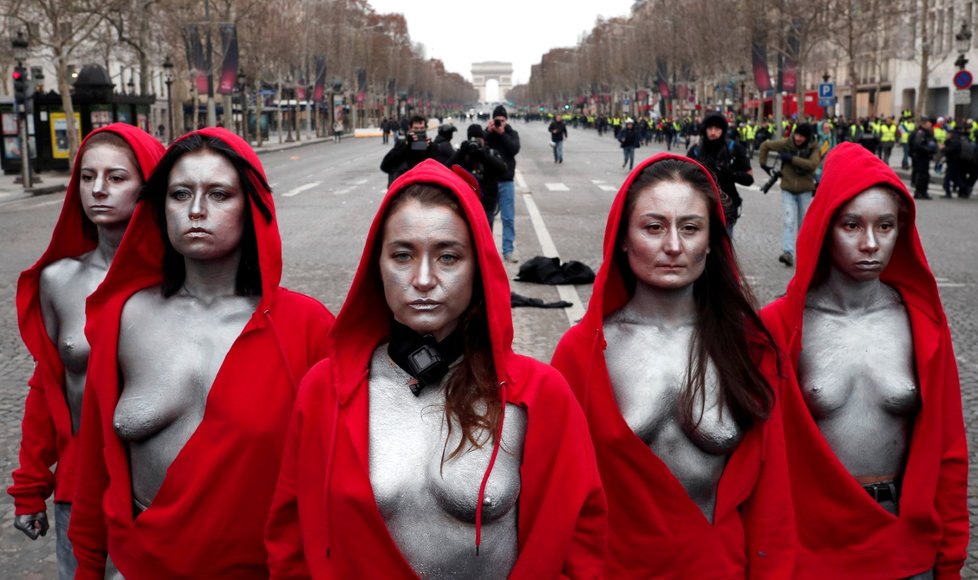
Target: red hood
{"type": "Point", "coordinates": [74, 234]}
{"type": "Point", "coordinates": [139, 260]}
{"type": "Point", "coordinates": [610, 293]}
{"type": "Point", "coordinates": [838, 523]}
{"type": "Point", "coordinates": [849, 170]}
{"type": "Point", "coordinates": [364, 320]}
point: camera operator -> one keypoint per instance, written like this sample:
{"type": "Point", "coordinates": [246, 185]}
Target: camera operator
{"type": "Point", "coordinates": [406, 153]}
{"type": "Point", "coordinates": [505, 140]}
{"type": "Point", "coordinates": [485, 164]}
{"type": "Point", "coordinates": [441, 148]}
{"type": "Point", "coordinates": [727, 160]}
{"type": "Point", "coordinates": [800, 157]}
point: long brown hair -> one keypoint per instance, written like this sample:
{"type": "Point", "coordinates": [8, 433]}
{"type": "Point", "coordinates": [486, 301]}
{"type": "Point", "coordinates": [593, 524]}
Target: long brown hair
{"type": "Point", "coordinates": [471, 392]}
{"type": "Point", "coordinates": [725, 309]}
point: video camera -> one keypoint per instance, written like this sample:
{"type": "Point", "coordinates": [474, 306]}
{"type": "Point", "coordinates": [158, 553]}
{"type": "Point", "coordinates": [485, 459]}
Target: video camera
{"type": "Point", "coordinates": [775, 173]}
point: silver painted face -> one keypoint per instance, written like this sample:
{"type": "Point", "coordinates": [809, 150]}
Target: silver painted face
{"type": "Point", "coordinates": [864, 234]}
{"type": "Point", "coordinates": [429, 507]}
{"type": "Point", "coordinates": [205, 206]}
{"type": "Point", "coordinates": [668, 235]}
{"type": "Point", "coordinates": [109, 184]}
{"type": "Point", "coordinates": [427, 264]}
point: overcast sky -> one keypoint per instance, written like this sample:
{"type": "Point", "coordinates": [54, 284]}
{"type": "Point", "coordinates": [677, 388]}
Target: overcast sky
{"type": "Point", "coordinates": [460, 32]}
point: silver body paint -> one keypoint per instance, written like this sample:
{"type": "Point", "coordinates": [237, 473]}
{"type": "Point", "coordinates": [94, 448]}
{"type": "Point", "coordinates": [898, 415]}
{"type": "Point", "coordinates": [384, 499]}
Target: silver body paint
{"type": "Point", "coordinates": [65, 285]}
{"type": "Point", "coordinates": [429, 508]}
{"type": "Point", "coordinates": [647, 364]}
{"type": "Point", "coordinates": [856, 371]}
{"type": "Point", "coordinates": [170, 351]}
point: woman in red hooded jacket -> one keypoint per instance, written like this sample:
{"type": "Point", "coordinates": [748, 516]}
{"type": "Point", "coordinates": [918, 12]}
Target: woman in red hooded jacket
{"type": "Point", "coordinates": [873, 424]}
{"type": "Point", "coordinates": [113, 163]}
{"type": "Point", "coordinates": [196, 356]}
{"type": "Point", "coordinates": [678, 380]}
{"type": "Point", "coordinates": [424, 446]}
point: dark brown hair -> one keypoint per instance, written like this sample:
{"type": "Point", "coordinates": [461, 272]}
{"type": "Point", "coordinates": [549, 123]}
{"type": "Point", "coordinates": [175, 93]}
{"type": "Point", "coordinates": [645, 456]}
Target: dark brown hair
{"type": "Point", "coordinates": [725, 308]}
{"type": "Point", "coordinates": [471, 392]}
{"type": "Point", "coordinates": [248, 281]}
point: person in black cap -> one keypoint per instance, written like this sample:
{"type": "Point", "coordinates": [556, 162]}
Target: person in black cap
{"type": "Point", "coordinates": [485, 164]}
{"type": "Point", "coordinates": [504, 139]}
{"type": "Point", "coordinates": [923, 146]}
{"type": "Point", "coordinates": [800, 157]}
{"type": "Point", "coordinates": [441, 148]}
{"type": "Point", "coordinates": [728, 162]}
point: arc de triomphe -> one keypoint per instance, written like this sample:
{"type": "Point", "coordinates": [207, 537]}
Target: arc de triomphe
{"type": "Point", "coordinates": [502, 72]}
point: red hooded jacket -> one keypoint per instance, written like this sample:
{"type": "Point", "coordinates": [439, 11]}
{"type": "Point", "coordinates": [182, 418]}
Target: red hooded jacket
{"type": "Point", "coordinates": [844, 533]}
{"type": "Point", "coordinates": [656, 530]}
{"type": "Point", "coordinates": [325, 522]}
{"type": "Point", "coordinates": [206, 521]}
{"type": "Point", "coordinates": [47, 437]}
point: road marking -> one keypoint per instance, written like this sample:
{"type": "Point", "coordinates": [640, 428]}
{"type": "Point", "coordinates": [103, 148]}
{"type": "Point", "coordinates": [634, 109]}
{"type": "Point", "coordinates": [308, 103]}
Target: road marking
{"type": "Point", "coordinates": [567, 292]}
{"type": "Point", "coordinates": [301, 188]}
{"type": "Point", "coordinates": [348, 189]}
{"type": "Point", "coordinates": [946, 283]}
{"type": "Point", "coordinates": [608, 188]}
{"type": "Point", "coordinates": [521, 182]}
{"type": "Point", "coordinates": [557, 187]}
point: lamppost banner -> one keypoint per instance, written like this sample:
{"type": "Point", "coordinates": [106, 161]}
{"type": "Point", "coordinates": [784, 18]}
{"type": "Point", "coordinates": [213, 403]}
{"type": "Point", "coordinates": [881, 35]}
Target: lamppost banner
{"type": "Point", "coordinates": [320, 79]}
{"type": "Point", "coordinates": [196, 60]}
{"type": "Point", "coordinates": [762, 76]}
{"type": "Point", "coordinates": [229, 68]}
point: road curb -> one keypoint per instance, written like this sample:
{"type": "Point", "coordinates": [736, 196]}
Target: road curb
{"type": "Point", "coordinates": [47, 189]}
{"type": "Point", "coordinates": [287, 147]}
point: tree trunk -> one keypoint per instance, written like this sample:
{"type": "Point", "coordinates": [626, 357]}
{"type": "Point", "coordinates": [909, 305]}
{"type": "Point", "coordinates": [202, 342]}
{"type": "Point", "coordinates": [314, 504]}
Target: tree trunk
{"type": "Point", "coordinates": [259, 101]}
{"type": "Point", "coordinates": [921, 108]}
{"type": "Point", "coordinates": [278, 116]}
{"type": "Point", "coordinates": [65, 89]}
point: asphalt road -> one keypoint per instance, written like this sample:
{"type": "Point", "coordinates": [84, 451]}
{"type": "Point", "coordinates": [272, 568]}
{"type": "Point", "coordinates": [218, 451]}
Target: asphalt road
{"type": "Point", "coordinates": [327, 194]}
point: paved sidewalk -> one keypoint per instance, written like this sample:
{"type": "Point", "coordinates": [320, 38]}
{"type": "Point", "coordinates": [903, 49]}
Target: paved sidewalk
{"type": "Point", "coordinates": [57, 181]}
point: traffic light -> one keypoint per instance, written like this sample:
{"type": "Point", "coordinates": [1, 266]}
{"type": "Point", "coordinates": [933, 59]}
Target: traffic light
{"type": "Point", "coordinates": [20, 83]}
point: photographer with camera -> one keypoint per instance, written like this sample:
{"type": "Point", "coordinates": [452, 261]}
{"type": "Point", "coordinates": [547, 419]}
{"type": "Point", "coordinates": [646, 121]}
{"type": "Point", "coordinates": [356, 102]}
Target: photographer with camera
{"type": "Point", "coordinates": [408, 152]}
{"type": "Point", "coordinates": [485, 164]}
{"type": "Point", "coordinates": [800, 157]}
{"type": "Point", "coordinates": [506, 141]}
{"type": "Point", "coordinates": [728, 162]}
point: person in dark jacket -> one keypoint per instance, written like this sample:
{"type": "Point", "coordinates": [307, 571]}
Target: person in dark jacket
{"type": "Point", "coordinates": [501, 136]}
{"type": "Point", "coordinates": [558, 132]}
{"type": "Point", "coordinates": [923, 146]}
{"type": "Point", "coordinates": [441, 148]}
{"type": "Point", "coordinates": [407, 152]}
{"type": "Point", "coordinates": [630, 139]}
{"type": "Point", "coordinates": [485, 164]}
{"type": "Point", "coordinates": [728, 162]}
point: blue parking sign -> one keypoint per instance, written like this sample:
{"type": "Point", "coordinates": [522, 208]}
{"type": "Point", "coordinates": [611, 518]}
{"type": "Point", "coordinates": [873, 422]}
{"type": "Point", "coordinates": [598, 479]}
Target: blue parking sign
{"type": "Point", "coordinates": [826, 90]}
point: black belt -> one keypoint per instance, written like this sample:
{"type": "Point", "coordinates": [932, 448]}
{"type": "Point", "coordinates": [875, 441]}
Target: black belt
{"type": "Point", "coordinates": [883, 490]}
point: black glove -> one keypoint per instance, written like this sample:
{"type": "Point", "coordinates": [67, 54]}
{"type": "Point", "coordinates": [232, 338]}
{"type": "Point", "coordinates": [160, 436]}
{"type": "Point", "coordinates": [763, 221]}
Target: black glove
{"type": "Point", "coordinates": [766, 168]}
{"type": "Point", "coordinates": [787, 156]}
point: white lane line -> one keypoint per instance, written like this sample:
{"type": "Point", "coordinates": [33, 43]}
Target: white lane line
{"type": "Point", "coordinates": [557, 187]}
{"type": "Point", "coordinates": [301, 188]}
{"type": "Point", "coordinates": [351, 187]}
{"type": "Point", "coordinates": [947, 283]}
{"type": "Point", "coordinates": [567, 292]}
{"type": "Point", "coordinates": [608, 188]}
{"type": "Point", "coordinates": [520, 182]}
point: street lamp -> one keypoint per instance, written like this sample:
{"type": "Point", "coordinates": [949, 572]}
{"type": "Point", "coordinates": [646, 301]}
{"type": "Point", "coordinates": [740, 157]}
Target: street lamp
{"type": "Point", "coordinates": [168, 79]}
{"type": "Point", "coordinates": [962, 41]}
{"type": "Point", "coordinates": [243, 92]}
{"type": "Point", "coordinates": [131, 85]}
